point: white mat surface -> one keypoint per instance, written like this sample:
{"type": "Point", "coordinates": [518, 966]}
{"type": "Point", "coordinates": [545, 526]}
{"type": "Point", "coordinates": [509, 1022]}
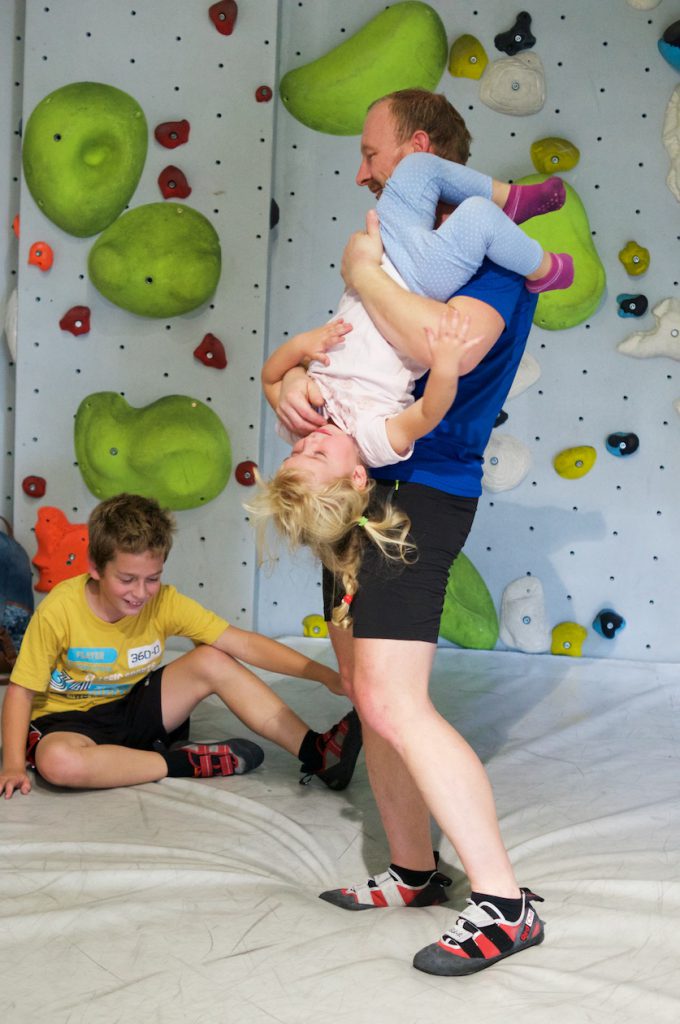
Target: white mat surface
{"type": "Point", "coordinates": [196, 901]}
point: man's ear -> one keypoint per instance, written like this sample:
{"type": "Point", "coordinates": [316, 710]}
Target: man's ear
{"type": "Point", "coordinates": [359, 477]}
{"type": "Point", "coordinates": [420, 142]}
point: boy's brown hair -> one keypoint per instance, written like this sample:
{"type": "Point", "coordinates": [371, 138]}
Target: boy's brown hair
{"type": "Point", "coordinates": [419, 110]}
{"type": "Point", "coordinates": [129, 523]}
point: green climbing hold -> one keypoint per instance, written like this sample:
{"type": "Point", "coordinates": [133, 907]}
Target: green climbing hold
{"type": "Point", "coordinates": [469, 618]}
{"type": "Point", "coordinates": [175, 450]}
{"type": "Point", "coordinates": [403, 47]}
{"type": "Point", "coordinates": [159, 260]}
{"type": "Point", "coordinates": [567, 230]}
{"type": "Point", "coordinates": [84, 148]}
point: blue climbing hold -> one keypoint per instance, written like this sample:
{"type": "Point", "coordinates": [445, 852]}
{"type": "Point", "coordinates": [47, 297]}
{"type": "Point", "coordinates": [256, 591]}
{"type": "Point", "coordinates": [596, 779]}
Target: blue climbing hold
{"type": "Point", "coordinates": [632, 305]}
{"type": "Point", "coordinates": [518, 37]}
{"type": "Point", "coordinates": [669, 45]}
{"type": "Point", "coordinates": [608, 623]}
{"type": "Point", "coordinates": [622, 444]}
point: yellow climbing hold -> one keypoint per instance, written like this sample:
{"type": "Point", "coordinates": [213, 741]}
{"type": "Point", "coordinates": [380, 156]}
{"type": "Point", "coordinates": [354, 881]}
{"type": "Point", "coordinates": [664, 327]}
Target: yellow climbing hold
{"type": "Point", "coordinates": [467, 58]}
{"type": "Point", "coordinates": [314, 625]}
{"type": "Point", "coordinates": [553, 155]}
{"type": "Point", "coordinates": [635, 258]}
{"type": "Point", "coordinates": [567, 638]}
{"type": "Point", "coordinates": [573, 463]}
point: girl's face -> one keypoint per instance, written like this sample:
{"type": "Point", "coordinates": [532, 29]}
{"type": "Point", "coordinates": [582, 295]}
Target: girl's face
{"type": "Point", "coordinates": [328, 454]}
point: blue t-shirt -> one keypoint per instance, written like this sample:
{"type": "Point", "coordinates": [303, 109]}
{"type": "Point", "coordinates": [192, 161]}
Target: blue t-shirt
{"type": "Point", "coordinates": [450, 457]}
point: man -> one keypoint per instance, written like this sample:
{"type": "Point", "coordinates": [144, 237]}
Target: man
{"type": "Point", "coordinates": [418, 764]}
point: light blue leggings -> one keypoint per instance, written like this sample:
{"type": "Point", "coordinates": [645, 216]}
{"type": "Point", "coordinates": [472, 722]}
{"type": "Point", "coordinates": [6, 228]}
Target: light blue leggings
{"type": "Point", "coordinates": [439, 262]}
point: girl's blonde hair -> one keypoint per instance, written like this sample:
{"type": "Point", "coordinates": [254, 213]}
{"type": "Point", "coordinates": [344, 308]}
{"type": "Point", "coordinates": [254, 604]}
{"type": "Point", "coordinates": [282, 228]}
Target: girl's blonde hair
{"type": "Point", "coordinates": [333, 521]}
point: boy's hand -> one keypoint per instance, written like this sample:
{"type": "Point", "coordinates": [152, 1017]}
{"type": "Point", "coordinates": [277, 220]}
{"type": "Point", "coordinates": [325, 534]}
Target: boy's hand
{"type": "Point", "coordinates": [13, 781]}
{"type": "Point", "coordinates": [316, 343]}
{"type": "Point", "coordinates": [449, 342]}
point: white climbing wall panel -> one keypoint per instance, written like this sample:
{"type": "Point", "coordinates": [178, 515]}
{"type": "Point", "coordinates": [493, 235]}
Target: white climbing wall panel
{"type": "Point", "coordinates": [171, 58]}
{"type": "Point", "coordinates": [607, 540]}
{"type": "Point", "coordinates": [610, 539]}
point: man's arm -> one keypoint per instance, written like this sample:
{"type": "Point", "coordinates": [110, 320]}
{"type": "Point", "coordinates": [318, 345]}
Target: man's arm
{"type": "Point", "coordinates": [299, 351]}
{"type": "Point", "coordinates": [400, 315]}
{"type": "Point", "coordinates": [262, 652]}
{"type": "Point", "coordinates": [16, 716]}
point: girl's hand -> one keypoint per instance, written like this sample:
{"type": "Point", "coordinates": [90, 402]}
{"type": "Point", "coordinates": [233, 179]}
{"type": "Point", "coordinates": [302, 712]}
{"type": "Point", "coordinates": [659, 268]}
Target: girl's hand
{"type": "Point", "coordinates": [450, 341]}
{"type": "Point", "coordinates": [316, 343]}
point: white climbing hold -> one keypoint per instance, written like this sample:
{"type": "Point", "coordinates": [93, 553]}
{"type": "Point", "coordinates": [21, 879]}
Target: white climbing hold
{"type": "Point", "coordinates": [10, 322]}
{"type": "Point", "coordinates": [528, 372]}
{"type": "Point", "coordinates": [662, 340]}
{"type": "Point", "coordinates": [671, 140]}
{"type": "Point", "coordinates": [507, 461]}
{"type": "Point", "coordinates": [523, 622]}
{"type": "Point", "coordinates": [514, 85]}
{"type": "Point", "coordinates": [644, 5]}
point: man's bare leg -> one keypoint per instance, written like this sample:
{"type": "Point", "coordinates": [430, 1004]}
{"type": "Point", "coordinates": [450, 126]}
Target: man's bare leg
{"type": "Point", "coordinates": [390, 687]}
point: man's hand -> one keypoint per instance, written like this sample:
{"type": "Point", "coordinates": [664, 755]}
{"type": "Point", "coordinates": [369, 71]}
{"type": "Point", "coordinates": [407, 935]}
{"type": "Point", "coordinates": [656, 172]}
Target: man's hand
{"type": "Point", "coordinates": [299, 400]}
{"type": "Point", "coordinates": [364, 248]}
{"type": "Point", "coordinates": [449, 343]}
{"type": "Point", "coordinates": [11, 782]}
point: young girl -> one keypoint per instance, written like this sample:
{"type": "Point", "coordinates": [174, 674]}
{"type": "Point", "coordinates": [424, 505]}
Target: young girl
{"type": "Point", "coordinates": [322, 491]}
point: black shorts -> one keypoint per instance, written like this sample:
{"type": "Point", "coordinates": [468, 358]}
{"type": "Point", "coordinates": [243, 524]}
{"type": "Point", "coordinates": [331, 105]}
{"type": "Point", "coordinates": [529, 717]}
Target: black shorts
{"type": "Point", "coordinates": [135, 720]}
{"type": "Point", "coordinates": [405, 602]}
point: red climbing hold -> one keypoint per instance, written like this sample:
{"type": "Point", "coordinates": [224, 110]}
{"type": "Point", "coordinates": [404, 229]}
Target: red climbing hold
{"type": "Point", "coordinates": [211, 352]}
{"type": "Point", "coordinates": [223, 16]}
{"type": "Point", "coordinates": [16, 224]}
{"type": "Point", "coordinates": [34, 486]}
{"type": "Point", "coordinates": [245, 473]}
{"type": "Point", "coordinates": [172, 133]}
{"type": "Point", "coordinates": [173, 183]}
{"type": "Point", "coordinates": [40, 255]}
{"type": "Point", "coordinates": [76, 320]}
{"type": "Point", "coordinates": [263, 94]}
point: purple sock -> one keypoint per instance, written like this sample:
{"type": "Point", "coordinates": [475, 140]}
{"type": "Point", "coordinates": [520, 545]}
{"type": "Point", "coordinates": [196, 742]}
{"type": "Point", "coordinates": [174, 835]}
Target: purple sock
{"type": "Point", "coordinates": [527, 201]}
{"type": "Point", "coordinates": [560, 275]}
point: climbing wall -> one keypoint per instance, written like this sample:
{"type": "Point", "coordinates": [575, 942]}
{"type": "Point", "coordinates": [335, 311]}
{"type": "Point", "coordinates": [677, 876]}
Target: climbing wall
{"type": "Point", "coordinates": [608, 539]}
{"type": "Point", "coordinates": [172, 59]}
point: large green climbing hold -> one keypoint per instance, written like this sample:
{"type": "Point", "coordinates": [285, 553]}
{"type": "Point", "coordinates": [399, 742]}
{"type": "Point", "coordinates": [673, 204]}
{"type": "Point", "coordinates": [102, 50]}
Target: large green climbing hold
{"type": "Point", "coordinates": [567, 230]}
{"type": "Point", "coordinates": [84, 149]}
{"type": "Point", "coordinates": [158, 260]}
{"type": "Point", "coordinates": [469, 618]}
{"type": "Point", "coordinates": [403, 47]}
{"type": "Point", "coordinates": [175, 450]}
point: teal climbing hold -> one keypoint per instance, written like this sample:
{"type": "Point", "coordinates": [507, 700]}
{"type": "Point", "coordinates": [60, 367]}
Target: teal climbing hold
{"type": "Point", "coordinates": [469, 618]}
{"type": "Point", "coordinates": [175, 450]}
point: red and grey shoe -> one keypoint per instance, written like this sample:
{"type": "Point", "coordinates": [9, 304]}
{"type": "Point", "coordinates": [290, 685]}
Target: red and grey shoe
{"type": "Point", "coordinates": [481, 937]}
{"type": "Point", "coordinates": [339, 749]}
{"type": "Point", "coordinates": [232, 757]}
{"type": "Point", "coordinates": [388, 890]}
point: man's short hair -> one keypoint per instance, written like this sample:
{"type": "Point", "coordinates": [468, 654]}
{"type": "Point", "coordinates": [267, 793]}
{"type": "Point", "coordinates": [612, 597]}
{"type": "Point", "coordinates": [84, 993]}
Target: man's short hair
{"type": "Point", "coordinates": [129, 523]}
{"type": "Point", "coordinates": [419, 110]}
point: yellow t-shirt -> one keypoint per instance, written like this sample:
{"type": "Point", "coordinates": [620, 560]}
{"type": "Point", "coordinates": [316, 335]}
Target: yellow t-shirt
{"type": "Point", "coordinates": [73, 660]}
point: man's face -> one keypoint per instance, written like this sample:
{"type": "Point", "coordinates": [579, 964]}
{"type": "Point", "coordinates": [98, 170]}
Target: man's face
{"type": "Point", "coordinates": [380, 150]}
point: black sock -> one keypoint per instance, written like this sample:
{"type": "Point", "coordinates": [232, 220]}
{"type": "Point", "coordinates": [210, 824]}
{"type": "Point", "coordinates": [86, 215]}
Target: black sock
{"type": "Point", "coordinates": [179, 765]}
{"type": "Point", "coordinates": [409, 877]}
{"type": "Point", "coordinates": [309, 754]}
{"type": "Point", "coordinates": [510, 909]}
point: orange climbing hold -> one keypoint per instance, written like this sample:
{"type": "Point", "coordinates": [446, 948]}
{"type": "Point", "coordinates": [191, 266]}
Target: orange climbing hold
{"type": "Point", "coordinates": [16, 224]}
{"type": "Point", "coordinates": [40, 255]}
{"type": "Point", "coordinates": [62, 548]}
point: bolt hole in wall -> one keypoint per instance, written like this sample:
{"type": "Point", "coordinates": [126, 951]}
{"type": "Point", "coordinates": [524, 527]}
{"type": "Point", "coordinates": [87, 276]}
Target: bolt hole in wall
{"type": "Point", "coordinates": [608, 65]}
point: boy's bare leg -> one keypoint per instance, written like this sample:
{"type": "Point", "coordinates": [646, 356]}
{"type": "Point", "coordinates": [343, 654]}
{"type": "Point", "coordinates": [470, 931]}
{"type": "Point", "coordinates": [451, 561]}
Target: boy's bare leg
{"type": "Point", "coordinates": [204, 671]}
{"type": "Point", "coordinates": [69, 759]}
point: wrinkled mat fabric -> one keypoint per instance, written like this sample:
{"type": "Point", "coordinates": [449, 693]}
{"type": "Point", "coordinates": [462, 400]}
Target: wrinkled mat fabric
{"type": "Point", "coordinates": [196, 901]}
